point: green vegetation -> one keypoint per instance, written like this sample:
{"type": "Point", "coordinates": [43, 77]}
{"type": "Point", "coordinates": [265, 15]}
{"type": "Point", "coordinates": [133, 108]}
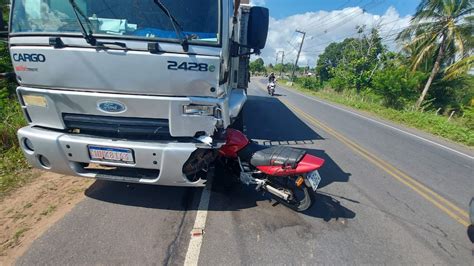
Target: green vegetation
{"type": "Point", "coordinates": [18, 234]}
{"type": "Point", "coordinates": [426, 85]}
{"type": "Point", "coordinates": [257, 66]}
{"type": "Point", "coordinates": [12, 162]}
{"type": "Point", "coordinates": [49, 210]}
{"type": "Point", "coordinates": [457, 129]}
{"type": "Point", "coordinates": [440, 29]}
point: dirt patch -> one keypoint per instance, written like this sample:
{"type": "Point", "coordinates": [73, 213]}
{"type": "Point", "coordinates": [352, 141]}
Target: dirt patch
{"type": "Point", "coordinates": [30, 210]}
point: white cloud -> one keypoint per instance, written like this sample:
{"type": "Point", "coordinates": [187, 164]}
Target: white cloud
{"type": "Point", "coordinates": [324, 27]}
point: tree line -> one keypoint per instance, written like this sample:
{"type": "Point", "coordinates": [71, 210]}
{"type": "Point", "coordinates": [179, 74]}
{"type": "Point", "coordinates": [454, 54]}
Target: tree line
{"type": "Point", "coordinates": [432, 71]}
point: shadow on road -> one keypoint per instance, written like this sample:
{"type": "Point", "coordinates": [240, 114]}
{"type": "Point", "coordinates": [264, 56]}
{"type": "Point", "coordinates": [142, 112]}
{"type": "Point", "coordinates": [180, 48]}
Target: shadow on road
{"type": "Point", "coordinates": [226, 196]}
{"type": "Point", "coordinates": [266, 118]}
{"type": "Point", "coordinates": [330, 172]}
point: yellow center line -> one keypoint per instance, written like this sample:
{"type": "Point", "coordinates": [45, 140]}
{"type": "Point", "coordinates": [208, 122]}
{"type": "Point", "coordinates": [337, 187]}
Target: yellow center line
{"type": "Point", "coordinates": [443, 204]}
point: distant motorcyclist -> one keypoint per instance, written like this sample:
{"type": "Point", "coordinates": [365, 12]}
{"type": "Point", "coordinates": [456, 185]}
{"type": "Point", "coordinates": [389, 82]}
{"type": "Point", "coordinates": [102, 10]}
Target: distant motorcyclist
{"type": "Point", "coordinates": [271, 78]}
{"type": "Point", "coordinates": [271, 84]}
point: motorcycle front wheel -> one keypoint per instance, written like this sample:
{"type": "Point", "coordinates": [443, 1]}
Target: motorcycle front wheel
{"type": "Point", "coordinates": [302, 197]}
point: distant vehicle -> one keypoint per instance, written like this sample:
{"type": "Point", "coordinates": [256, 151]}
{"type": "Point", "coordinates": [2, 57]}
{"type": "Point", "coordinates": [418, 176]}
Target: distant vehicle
{"type": "Point", "coordinates": [271, 88]}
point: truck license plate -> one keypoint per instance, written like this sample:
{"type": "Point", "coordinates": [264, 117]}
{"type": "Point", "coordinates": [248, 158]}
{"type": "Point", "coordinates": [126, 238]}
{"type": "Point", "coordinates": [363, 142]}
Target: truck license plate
{"type": "Point", "coordinates": [108, 154]}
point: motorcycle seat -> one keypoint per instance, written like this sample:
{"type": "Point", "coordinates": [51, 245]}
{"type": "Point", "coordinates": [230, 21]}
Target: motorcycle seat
{"type": "Point", "coordinates": [283, 156]}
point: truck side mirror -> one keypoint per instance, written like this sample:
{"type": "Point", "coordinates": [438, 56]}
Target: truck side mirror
{"type": "Point", "coordinates": [257, 27]}
{"type": "Point", "coordinates": [3, 34]}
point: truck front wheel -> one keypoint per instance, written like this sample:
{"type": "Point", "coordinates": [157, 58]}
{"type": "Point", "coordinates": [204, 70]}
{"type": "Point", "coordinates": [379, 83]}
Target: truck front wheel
{"type": "Point", "coordinates": [239, 122]}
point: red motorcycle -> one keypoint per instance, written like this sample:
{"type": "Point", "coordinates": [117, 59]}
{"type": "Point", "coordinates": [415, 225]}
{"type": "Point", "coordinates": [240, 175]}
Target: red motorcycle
{"type": "Point", "coordinates": [290, 175]}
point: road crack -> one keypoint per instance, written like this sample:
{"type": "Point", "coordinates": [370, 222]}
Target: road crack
{"type": "Point", "coordinates": [404, 203]}
{"type": "Point", "coordinates": [186, 202]}
{"type": "Point", "coordinates": [443, 248]}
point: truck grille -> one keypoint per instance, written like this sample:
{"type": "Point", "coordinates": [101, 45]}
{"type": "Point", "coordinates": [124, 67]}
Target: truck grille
{"type": "Point", "coordinates": [118, 127]}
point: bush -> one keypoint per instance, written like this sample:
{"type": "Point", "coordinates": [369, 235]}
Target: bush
{"type": "Point", "coordinates": [12, 161]}
{"type": "Point", "coordinates": [468, 117]}
{"type": "Point", "coordinates": [342, 79]}
{"type": "Point", "coordinates": [308, 83]}
{"type": "Point", "coordinates": [397, 85]}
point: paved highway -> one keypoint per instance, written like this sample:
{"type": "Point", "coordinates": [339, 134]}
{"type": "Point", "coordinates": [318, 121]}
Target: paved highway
{"type": "Point", "coordinates": [389, 195]}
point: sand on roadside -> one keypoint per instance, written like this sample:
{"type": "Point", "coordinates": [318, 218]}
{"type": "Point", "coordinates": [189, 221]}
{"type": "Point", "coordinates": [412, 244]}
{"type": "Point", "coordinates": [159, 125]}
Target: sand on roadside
{"type": "Point", "coordinates": [29, 211]}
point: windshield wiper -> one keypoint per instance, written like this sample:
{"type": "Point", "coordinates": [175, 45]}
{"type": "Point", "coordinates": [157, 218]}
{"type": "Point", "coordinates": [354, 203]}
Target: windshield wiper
{"type": "Point", "coordinates": [87, 35]}
{"type": "Point", "coordinates": [177, 27]}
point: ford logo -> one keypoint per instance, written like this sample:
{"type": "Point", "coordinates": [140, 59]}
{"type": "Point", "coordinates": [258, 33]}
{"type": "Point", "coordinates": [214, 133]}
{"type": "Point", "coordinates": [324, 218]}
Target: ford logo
{"type": "Point", "coordinates": [111, 107]}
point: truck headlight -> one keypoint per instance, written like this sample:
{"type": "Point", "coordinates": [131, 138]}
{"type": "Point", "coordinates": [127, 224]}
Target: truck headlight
{"type": "Point", "coordinates": [195, 109]}
{"type": "Point", "coordinates": [35, 100]}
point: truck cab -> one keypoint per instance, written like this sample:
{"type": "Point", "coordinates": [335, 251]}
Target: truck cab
{"type": "Point", "coordinates": [127, 90]}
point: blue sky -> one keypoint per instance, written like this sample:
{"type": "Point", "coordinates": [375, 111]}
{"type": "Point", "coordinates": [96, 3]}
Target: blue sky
{"type": "Point", "coordinates": [284, 8]}
{"type": "Point", "coordinates": [330, 21]}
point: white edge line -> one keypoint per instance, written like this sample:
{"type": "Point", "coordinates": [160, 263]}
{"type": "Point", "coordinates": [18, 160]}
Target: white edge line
{"type": "Point", "coordinates": [380, 123]}
{"type": "Point", "coordinates": [195, 243]}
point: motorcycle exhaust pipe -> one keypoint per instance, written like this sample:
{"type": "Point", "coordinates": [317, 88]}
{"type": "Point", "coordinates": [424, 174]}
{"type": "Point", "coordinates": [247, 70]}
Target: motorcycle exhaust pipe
{"type": "Point", "coordinates": [276, 192]}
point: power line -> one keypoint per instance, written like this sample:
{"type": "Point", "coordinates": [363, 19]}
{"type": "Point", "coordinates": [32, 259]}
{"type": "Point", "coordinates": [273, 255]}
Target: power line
{"type": "Point", "coordinates": [344, 22]}
{"type": "Point", "coordinates": [336, 18]}
{"type": "Point", "coordinates": [329, 14]}
{"type": "Point", "coordinates": [356, 33]}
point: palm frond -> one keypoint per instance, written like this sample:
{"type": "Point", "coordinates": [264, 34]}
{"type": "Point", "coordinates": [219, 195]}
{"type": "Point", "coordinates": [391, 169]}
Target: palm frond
{"type": "Point", "coordinates": [429, 5]}
{"type": "Point", "coordinates": [423, 54]}
{"type": "Point", "coordinates": [459, 41]}
{"type": "Point", "coordinates": [465, 12]}
{"type": "Point", "coordinates": [459, 68]}
{"type": "Point", "coordinates": [416, 29]}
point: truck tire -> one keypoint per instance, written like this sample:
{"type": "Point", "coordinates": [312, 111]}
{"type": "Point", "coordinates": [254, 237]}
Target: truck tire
{"type": "Point", "coordinates": [239, 122]}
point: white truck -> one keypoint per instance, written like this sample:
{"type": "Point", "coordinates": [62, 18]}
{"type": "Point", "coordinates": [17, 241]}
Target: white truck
{"type": "Point", "coordinates": [127, 90]}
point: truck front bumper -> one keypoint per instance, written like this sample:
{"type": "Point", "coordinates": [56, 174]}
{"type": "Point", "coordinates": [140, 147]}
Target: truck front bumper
{"type": "Point", "coordinates": [158, 163]}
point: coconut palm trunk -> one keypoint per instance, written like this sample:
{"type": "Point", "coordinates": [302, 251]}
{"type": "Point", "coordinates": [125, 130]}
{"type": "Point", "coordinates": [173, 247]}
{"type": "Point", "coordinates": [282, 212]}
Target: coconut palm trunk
{"type": "Point", "coordinates": [434, 71]}
{"type": "Point", "coordinates": [440, 28]}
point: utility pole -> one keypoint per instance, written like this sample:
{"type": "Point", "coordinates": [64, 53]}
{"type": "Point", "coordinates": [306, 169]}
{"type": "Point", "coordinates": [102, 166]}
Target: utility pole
{"type": "Point", "coordinates": [298, 56]}
{"type": "Point", "coordinates": [282, 58]}
{"type": "Point", "coordinates": [278, 53]}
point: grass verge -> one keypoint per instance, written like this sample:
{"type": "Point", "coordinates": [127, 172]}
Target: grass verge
{"type": "Point", "coordinates": [430, 122]}
{"type": "Point", "coordinates": [13, 166]}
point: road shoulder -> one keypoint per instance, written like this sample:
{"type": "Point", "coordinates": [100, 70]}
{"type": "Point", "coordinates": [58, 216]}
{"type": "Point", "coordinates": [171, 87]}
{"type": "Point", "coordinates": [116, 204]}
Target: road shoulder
{"type": "Point", "coordinates": [373, 116]}
{"type": "Point", "coordinates": [29, 211]}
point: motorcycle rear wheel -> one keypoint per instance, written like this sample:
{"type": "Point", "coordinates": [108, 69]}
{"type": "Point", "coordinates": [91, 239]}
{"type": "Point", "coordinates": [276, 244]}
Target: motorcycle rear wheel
{"type": "Point", "coordinates": [302, 196]}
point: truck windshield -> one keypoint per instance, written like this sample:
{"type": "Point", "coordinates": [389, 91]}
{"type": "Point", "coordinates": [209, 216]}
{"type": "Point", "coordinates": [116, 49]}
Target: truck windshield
{"type": "Point", "coordinates": [199, 19]}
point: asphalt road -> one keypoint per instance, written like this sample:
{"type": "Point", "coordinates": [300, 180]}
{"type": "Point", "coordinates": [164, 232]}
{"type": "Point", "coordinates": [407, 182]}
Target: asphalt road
{"type": "Point", "coordinates": [386, 197]}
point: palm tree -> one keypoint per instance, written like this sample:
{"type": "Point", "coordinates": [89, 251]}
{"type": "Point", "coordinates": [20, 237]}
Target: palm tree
{"type": "Point", "coordinates": [440, 29]}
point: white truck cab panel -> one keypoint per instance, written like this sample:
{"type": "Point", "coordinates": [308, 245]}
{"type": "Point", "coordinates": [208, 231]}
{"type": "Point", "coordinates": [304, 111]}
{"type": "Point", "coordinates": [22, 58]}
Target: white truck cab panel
{"type": "Point", "coordinates": [127, 90]}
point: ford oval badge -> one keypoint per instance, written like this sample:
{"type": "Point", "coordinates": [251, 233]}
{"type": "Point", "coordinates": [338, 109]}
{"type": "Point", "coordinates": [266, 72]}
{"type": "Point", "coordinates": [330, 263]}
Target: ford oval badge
{"type": "Point", "coordinates": [113, 107]}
